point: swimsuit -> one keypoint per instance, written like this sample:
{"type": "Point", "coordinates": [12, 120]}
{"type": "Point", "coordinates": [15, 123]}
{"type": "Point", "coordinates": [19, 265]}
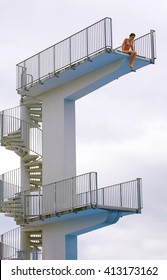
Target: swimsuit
{"type": "Point", "coordinates": [127, 44]}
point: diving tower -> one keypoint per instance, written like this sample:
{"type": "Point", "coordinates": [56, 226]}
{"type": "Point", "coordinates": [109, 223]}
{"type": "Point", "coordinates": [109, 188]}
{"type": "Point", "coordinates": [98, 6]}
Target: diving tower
{"type": "Point", "coordinates": [51, 203]}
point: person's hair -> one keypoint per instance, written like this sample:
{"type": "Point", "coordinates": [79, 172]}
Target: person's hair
{"type": "Point", "coordinates": [132, 34]}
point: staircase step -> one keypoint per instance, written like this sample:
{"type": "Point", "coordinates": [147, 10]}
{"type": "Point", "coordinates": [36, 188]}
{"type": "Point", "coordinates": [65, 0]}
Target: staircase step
{"type": "Point", "coordinates": [35, 187]}
{"type": "Point", "coordinates": [35, 113]}
{"type": "Point", "coordinates": [35, 173]}
{"type": "Point", "coordinates": [13, 136]}
{"type": "Point", "coordinates": [11, 204]}
{"type": "Point", "coordinates": [29, 158]}
{"type": "Point", "coordinates": [11, 148]}
{"type": "Point", "coordinates": [35, 232]}
{"type": "Point", "coordinates": [13, 215]}
{"type": "Point", "coordinates": [36, 180]}
{"type": "Point", "coordinates": [13, 212]}
{"type": "Point", "coordinates": [35, 118]}
{"type": "Point", "coordinates": [35, 238]}
{"type": "Point", "coordinates": [34, 163]}
{"type": "Point", "coordinates": [35, 110]}
{"type": "Point", "coordinates": [18, 131]}
{"type": "Point", "coordinates": [14, 140]}
{"type": "Point", "coordinates": [35, 169]}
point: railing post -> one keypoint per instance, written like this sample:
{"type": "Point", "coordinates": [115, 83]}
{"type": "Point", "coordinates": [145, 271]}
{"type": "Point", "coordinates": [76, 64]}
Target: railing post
{"type": "Point", "coordinates": [2, 189]}
{"type": "Point", "coordinates": [70, 50]}
{"type": "Point", "coordinates": [55, 209]}
{"type": "Point", "coordinates": [1, 125]}
{"type": "Point", "coordinates": [87, 46]}
{"type": "Point", "coordinates": [97, 202]}
{"type": "Point", "coordinates": [105, 33]}
{"type": "Point", "coordinates": [34, 253]}
{"type": "Point", "coordinates": [1, 251]}
{"type": "Point", "coordinates": [121, 195]}
{"type": "Point", "coordinates": [74, 201]}
{"type": "Point", "coordinates": [103, 200]}
{"type": "Point", "coordinates": [90, 188]}
{"type": "Point", "coordinates": [139, 193]}
{"type": "Point", "coordinates": [54, 59]}
{"type": "Point", "coordinates": [39, 67]}
{"type": "Point", "coordinates": [111, 33]}
{"type": "Point", "coordinates": [23, 206]}
{"type": "Point", "coordinates": [39, 204]}
{"type": "Point", "coordinates": [152, 46]}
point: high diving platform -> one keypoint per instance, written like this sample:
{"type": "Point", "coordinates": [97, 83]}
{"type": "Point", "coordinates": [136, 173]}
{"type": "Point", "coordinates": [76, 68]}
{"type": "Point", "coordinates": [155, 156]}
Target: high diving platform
{"type": "Point", "coordinates": [89, 51]}
{"type": "Point", "coordinates": [45, 196]}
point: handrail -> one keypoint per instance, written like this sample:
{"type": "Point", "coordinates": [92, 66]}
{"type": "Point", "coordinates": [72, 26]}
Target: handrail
{"type": "Point", "coordinates": [11, 238]}
{"type": "Point", "coordinates": [81, 191]}
{"type": "Point", "coordinates": [11, 253]}
{"type": "Point", "coordinates": [10, 247]}
{"type": "Point", "coordinates": [81, 45]}
{"type": "Point", "coordinates": [31, 141]}
{"type": "Point", "coordinates": [10, 184]}
{"type": "Point", "coordinates": [7, 252]}
{"type": "Point", "coordinates": [126, 195]}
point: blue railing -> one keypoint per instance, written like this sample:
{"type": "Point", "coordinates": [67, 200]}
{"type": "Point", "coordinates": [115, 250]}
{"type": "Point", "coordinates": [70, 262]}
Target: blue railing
{"type": "Point", "coordinates": [66, 53]}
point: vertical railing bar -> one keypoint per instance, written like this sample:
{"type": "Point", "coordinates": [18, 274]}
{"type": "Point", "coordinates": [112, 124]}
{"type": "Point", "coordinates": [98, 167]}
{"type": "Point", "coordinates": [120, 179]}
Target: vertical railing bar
{"type": "Point", "coordinates": [2, 124]}
{"type": "Point", "coordinates": [121, 195]}
{"type": "Point", "coordinates": [103, 196]}
{"type": "Point", "coordinates": [152, 46]}
{"type": "Point", "coordinates": [96, 189]}
{"type": "Point", "coordinates": [39, 67]}
{"type": "Point", "coordinates": [40, 214]}
{"type": "Point", "coordinates": [54, 57]}
{"type": "Point", "coordinates": [90, 188]}
{"type": "Point", "coordinates": [111, 33]}
{"type": "Point", "coordinates": [105, 33]}
{"type": "Point", "coordinates": [87, 46]}
{"type": "Point", "coordinates": [139, 193]}
{"type": "Point", "coordinates": [70, 50]}
{"type": "Point", "coordinates": [55, 208]}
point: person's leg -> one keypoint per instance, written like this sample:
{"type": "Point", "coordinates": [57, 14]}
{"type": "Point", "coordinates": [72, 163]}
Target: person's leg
{"type": "Point", "coordinates": [132, 57]}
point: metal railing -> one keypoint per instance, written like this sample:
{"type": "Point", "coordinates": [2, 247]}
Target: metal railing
{"type": "Point", "coordinates": [75, 48]}
{"type": "Point", "coordinates": [30, 136]}
{"type": "Point", "coordinates": [7, 252]}
{"type": "Point", "coordinates": [11, 239]}
{"type": "Point", "coordinates": [65, 195]}
{"type": "Point", "coordinates": [10, 184]}
{"type": "Point", "coordinates": [10, 247]}
{"type": "Point", "coordinates": [79, 192]}
{"type": "Point", "coordinates": [10, 253]}
{"type": "Point", "coordinates": [145, 46]}
{"type": "Point", "coordinates": [124, 195]}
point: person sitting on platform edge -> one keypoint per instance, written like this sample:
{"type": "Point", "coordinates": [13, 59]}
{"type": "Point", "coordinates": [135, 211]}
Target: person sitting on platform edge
{"type": "Point", "coordinates": [128, 47]}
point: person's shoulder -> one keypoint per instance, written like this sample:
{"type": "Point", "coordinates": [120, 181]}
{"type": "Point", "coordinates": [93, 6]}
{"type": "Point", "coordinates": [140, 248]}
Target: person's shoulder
{"type": "Point", "coordinates": [126, 39]}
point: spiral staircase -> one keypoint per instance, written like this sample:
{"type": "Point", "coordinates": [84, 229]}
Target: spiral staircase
{"type": "Point", "coordinates": [25, 139]}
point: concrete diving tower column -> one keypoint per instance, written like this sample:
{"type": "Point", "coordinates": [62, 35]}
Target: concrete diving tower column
{"type": "Point", "coordinates": [58, 90]}
{"type": "Point", "coordinates": [58, 105]}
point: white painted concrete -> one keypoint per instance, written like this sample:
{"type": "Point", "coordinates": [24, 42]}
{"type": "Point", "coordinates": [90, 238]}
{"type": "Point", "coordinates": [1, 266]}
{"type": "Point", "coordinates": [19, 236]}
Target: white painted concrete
{"type": "Point", "coordinates": [54, 234]}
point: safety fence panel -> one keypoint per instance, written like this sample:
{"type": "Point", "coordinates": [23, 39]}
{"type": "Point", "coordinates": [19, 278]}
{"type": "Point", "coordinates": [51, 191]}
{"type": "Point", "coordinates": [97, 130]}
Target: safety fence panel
{"type": "Point", "coordinates": [64, 54]}
{"type": "Point", "coordinates": [124, 195]}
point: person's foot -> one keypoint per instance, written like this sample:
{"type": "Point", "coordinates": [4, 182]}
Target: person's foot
{"type": "Point", "coordinates": [132, 69]}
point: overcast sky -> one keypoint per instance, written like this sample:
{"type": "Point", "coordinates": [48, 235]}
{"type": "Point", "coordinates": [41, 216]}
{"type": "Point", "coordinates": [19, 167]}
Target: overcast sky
{"type": "Point", "coordinates": [121, 128]}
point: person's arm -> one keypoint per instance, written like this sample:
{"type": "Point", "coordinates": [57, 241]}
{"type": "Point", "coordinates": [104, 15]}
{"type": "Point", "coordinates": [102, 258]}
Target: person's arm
{"type": "Point", "coordinates": [132, 46]}
{"type": "Point", "coordinates": [123, 44]}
